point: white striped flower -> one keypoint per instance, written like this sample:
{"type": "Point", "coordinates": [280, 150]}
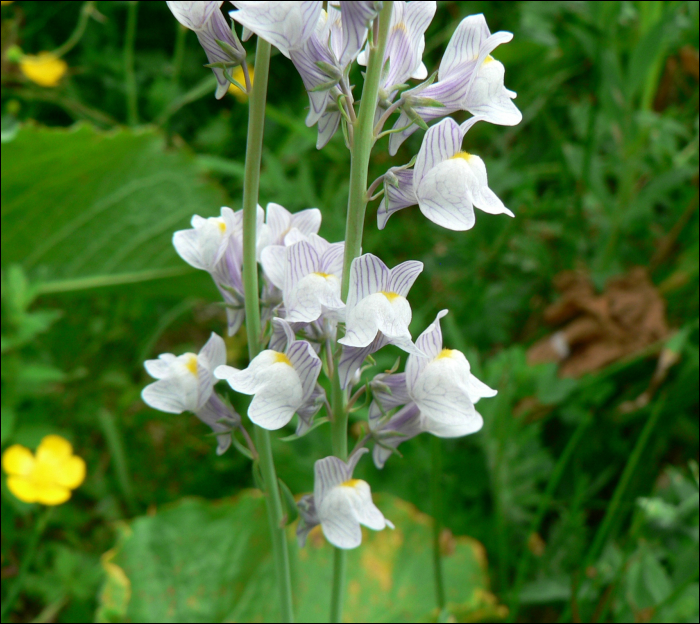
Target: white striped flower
{"type": "Point", "coordinates": [207, 21]}
{"type": "Point", "coordinates": [282, 382]}
{"type": "Point", "coordinates": [442, 386]}
{"type": "Point", "coordinates": [446, 182]}
{"type": "Point", "coordinates": [341, 504]}
{"type": "Point", "coordinates": [469, 79]}
{"type": "Point", "coordinates": [286, 25]}
{"type": "Point", "coordinates": [186, 383]}
{"type": "Point", "coordinates": [312, 282]}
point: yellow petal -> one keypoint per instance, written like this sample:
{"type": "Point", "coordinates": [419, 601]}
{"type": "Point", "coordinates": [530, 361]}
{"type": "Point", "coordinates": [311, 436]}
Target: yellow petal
{"type": "Point", "coordinates": [54, 449]}
{"type": "Point", "coordinates": [22, 488]}
{"type": "Point", "coordinates": [17, 460]}
{"type": "Point", "coordinates": [71, 472]}
{"type": "Point", "coordinates": [49, 494]}
{"type": "Point", "coordinates": [44, 68]}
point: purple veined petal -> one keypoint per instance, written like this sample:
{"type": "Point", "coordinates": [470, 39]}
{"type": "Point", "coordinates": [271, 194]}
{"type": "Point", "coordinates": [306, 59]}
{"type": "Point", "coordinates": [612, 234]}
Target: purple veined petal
{"type": "Point", "coordinates": [313, 295]}
{"type": "Point", "coordinates": [274, 263]}
{"type": "Point", "coordinates": [387, 399]}
{"type": "Point", "coordinates": [193, 15]}
{"type": "Point", "coordinates": [312, 76]}
{"type": "Point", "coordinates": [287, 329]}
{"type": "Point", "coordinates": [278, 221]}
{"type": "Point", "coordinates": [302, 259]}
{"type": "Point", "coordinates": [478, 390]}
{"type": "Point", "coordinates": [465, 45]}
{"type": "Point", "coordinates": [319, 243]}
{"type": "Point", "coordinates": [338, 522]}
{"type": "Point", "coordinates": [368, 275]}
{"type": "Point", "coordinates": [355, 20]}
{"type": "Point", "coordinates": [403, 275]}
{"type": "Point", "coordinates": [407, 422]}
{"type": "Point", "coordinates": [363, 507]}
{"type": "Point", "coordinates": [280, 334]}
{"type": "Point", "coordinates": [309, 409]}
{"type": "Point", "coordinates": [396, 198]}
{"type": "Point", "coordinates": [306, 364]}
{"type": "Point", "coordinates": [308, 518]}
{"type": "Point", "coordinates": [175, 393]}
{"type": "Point", "coordinates": [484, 198]}
{"type": "Point", "coordinates": [487, 97]}
{"type": "Point", "coordinates": [307, 221]}
{"type": "Point", "coordinates": [452, 428]}
{"type": "Point", "coordinates": [213, 353]}
{"type": "Point", "coordinates": [327, 126]}
{"type": "Point", "coordinates": [444, 197]}
{"type": "Point", "coordinates": [492, 43]}
{"type": "Point", "coordinates": [352, 359]}
{"type": "Point", "coordinates": [274, 405]}
{"type": "Point", "coordinates": [188, 245]}
{"type": "Point", "coordinates": [430, 341]}
{"type": "Point", "coordinates": [161, 367]}
{"type": "Point", "coordinates": [286, 25]}
{"type": "Point", "coordinates": [404, 342]}
{"type": "Point", "coordinates": [332, 259]}
{"type": "Point", "coordinates": [328, 473]}
{"type": "Point", "coordinates": [234, 318]}
{"type": "Point", "coordinates": [248, 380]}
{"type": "Point", "coordinates": [441, 141]}
{"type": "Point", "coordinates": [212, 413]}
{"type": "Point", "coordinates": [205, 384]}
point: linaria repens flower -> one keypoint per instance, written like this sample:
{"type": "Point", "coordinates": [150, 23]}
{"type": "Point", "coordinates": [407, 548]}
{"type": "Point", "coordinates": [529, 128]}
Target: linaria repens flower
{"type": "Point", "coordinates": [445, 182]}
{"type": "Point", "coordinates": [45, 69]}
{"type": "Point", "coordinates": [282, 382]}
{"type": "Point", "coordinates": [340, 504]}
{"type": "Point", "coordinates": [443, 387]}
{"type": "Point", "coordinates": [207, 21]}
{"type": "Point", "coordinates": [405, 45]}
{"type": "Point", "coordinates": [215, 245]}
{"type": "Point", "coordinates": [47, 477]}
{"type": "Point", "coordinates": [286, 25]}
{"type": "Point", "coordinates": [186, 383]}
{"type": "Point", "coordinates": [469, 79]}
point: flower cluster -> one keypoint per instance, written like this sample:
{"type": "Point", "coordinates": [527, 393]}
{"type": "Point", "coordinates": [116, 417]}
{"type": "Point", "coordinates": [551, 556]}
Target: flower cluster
{"type": "Point", "coordinates": [309, 327]}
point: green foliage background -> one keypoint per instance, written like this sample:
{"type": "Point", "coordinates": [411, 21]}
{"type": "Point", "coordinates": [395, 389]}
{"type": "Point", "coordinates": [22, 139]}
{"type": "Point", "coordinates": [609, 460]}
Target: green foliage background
{"type": "Point", "coordinates": [579, 520]}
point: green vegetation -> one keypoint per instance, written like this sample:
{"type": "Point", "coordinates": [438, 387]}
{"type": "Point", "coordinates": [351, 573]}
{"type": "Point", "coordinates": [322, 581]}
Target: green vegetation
{"type": "Point", "coordinates": [578, 502]}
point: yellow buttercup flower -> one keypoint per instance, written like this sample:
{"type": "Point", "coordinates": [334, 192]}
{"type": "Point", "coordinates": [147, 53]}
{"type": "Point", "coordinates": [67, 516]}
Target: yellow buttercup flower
{"type": "Point", "coordinates": [47, 477]}
{"type": "Point", "coordinates": [237, 75]}
{"type": "Point", "coordinates": [45, 68]}
{"type": "Point", "coordinates": [6, 2]}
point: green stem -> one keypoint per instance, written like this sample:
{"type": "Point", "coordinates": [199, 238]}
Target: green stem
{"type": "Point", "coordinates": [363, 140]}
{"type": "Point", "coordinates": [362, 147]}
{"type": "Point", "coordinates": [27, 561]}
{"type": "Point", "coordinates": [179, 52]}
{"type": "Point", "coordinates": [545, 501]}
{"type": "Point", "coordinates": [251, 187]}
{"type": "Point", "coordinates": [78, 32]}
{"type": "Point", "coordinates": [115, 444]}
{"type": "Point", "coordinates": [129, 76]}
{"type": "Point", "coordinates": [436, 500]}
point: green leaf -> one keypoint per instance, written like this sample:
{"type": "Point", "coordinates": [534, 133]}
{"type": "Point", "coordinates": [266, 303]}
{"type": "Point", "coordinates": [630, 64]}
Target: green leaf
{"type": "Point", "coordinates": [200, 561]}
{"type": "Point", "coordinates": [290, 505]}
{"type": "Point", "coordinates": [7, 423]}
{"type": "Point", "coordinates": [82, 208]}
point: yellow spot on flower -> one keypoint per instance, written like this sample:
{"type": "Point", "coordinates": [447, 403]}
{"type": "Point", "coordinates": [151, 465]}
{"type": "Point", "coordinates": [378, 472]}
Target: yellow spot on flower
{"type": "Point", "coordinates": [281, 357]}
{"type": "Point", "coordinates": [47, 477]}
{"type": "Point", "coordinates": [463, 155]}
{"type": "Point", "coordinates": [324, 275]}
{"type": "Point", "coordinates": [445, 353]}
{"type": "Point", "coordinates": [191, 364]}
{"type": "Point", "coordinates": [45, 68]}
{"type": "Point", "coordinates": [222, 225]}
{"type": "Point", "coordinates": [391, 296]}
{"type": "Point", "coordinates": [488, 59]}
{"type": "Point", "coordinates": [352, 483]}
{"type": "Point", "coordinates": [238, 75]}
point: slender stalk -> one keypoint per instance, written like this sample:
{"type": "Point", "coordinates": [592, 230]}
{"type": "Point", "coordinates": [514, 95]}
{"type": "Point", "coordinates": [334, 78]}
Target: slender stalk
{"type": "Point", "coordinates": [362, 148]}
{"type": "Point", "coordinates": [79, 30]}
{"type": "Point", "coordinates": [115, 444]}
{"type": "Point", "coordinates": [251, 186]}
{"type": "Point", "coordinates": [436, 501]}
{"type": "Point", "coordinates": [179, 52]}
{"type": "Point", "coordinates": [27, 560]}
{"type": "Point", "coordinates": [129, 76]}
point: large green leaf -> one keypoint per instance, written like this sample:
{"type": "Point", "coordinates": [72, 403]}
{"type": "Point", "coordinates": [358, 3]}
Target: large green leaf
{"type": "Point", "coordinates": [199, 561]}
{"type": "Point", "coordinates": [83, 208]}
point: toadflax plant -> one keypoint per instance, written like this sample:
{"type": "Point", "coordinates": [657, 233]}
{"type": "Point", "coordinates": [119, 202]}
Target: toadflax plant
{"type": "Point", "coordinates": [316, 308]}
